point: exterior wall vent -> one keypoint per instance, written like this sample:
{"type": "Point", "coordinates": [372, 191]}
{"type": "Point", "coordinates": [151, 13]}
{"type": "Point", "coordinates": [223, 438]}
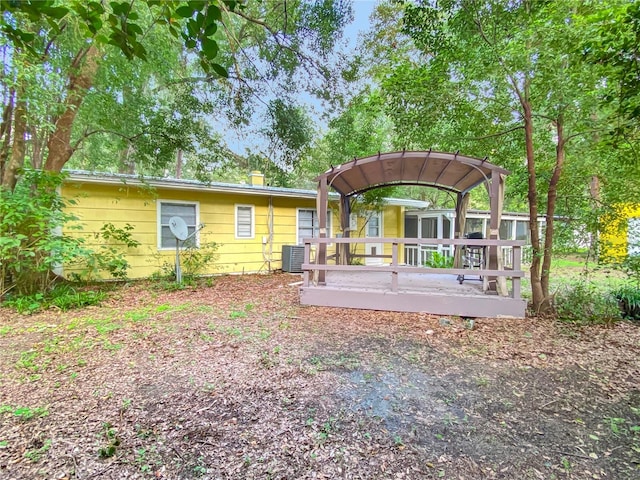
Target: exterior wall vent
{"type": "Point", "coordinates": [292, 258]}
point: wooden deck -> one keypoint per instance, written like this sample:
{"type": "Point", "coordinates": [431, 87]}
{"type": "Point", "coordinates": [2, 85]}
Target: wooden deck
{"type": "Point", "coordinates": [397, 287]}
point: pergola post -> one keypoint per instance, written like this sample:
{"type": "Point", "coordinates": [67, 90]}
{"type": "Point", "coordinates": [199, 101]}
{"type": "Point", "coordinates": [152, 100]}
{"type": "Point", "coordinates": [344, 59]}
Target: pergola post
{"type": "Point", "coordinates": [462, 205]}
{"type": "Point", "coordinates": [345, 224]}
{"type": "Point", "coordinates": [322, 205]}
{"type": "Point", "coordinates": [496, 200]}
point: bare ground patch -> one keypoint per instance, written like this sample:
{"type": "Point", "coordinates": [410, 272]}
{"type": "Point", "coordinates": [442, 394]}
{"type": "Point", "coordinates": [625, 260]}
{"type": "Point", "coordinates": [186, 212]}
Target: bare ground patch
{"type": "Point", "coordinates": [237, 380]}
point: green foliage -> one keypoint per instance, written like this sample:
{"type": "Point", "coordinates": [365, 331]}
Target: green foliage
{"type": "Point", "coordinates": [289, 132]}
{"type": "Point", "coordinates": [439, 260]}
{"type": "Point", "coordinates": [110, 256]}
{"type": "Point", "coordinates": [628, 297]}
{"type": "Point", "coordinates": [194, 260]}
{"type": "Point", "coordinates": [36, 454]}
{"type": "Point", "coordinates": [31, 246]}
{"type": "Point", "coordinates": [63, 296]}
{"type": "Point", "coordinates": [112, 441]}
{"type": "Point", "coordinates": [630, 265]}
{"type": "Point", "coordinates": [24, 413]}
{"type": "Point", "coordinates": [583, 303]}
{"type": "Point", "coordinates": [120, 24]}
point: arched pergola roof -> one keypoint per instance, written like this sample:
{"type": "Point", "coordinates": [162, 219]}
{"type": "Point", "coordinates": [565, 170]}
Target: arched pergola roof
{"type": "Point", "coordinates": [446, 171]}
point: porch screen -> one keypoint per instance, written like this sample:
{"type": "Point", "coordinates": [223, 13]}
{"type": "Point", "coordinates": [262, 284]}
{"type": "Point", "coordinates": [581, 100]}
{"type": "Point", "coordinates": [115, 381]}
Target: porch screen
{"type": "Point", "coordinates": [429, 228]}
{"type": "Point", "coordinates": [506, 229]}
{"type": "Point", "coordinates": [522, 231]}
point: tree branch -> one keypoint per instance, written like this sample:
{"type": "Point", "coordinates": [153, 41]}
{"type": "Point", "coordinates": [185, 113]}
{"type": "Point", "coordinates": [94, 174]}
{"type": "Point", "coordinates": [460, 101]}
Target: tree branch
{"type": "Point", "coordinates": [86, 135]}
{"type": "Point", "coordinates": [492, 135]}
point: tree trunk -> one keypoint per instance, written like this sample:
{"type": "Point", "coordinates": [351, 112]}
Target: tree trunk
{"type": "Point", "coordinates": [551, 208]}
{"type": "Point", "coordinates": [36, 147]}
{"type": "Point", "coordinates": [5, 132]}
{"type": "Point", "coordinates": [179, 164]}
{"type": "Point", "coordinates": [82, 73]}
{"type": "Point", "coordinates": [16, 161]}
{"type": "Point", "coordinates": [537, 293]}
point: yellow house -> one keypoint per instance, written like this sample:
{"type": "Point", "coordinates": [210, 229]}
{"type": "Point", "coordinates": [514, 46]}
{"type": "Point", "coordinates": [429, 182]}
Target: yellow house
{"type": "Point", "coordinates": [249, 223]}
{"type": "Point", "coordinates": [621, 236]}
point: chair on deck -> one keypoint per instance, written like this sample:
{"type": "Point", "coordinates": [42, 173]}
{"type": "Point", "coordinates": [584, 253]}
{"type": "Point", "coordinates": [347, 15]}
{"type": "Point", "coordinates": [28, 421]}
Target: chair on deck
{"type": "Point", "coordinates": [472, 255]}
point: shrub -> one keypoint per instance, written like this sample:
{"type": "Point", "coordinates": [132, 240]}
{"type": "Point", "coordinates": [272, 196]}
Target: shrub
{"type": "Point", "coordinates": [31, 245]}
{"type": "Point", "coordinates": [584, 304]}
{"type": "Point", "coordinates": [109, 257]}
{"type": "Point", "coordinates": [194, 261]}
{"type": "Point", "coordinates": [628, 297]}
{"type": "Point", "coordinates": [439, 260]}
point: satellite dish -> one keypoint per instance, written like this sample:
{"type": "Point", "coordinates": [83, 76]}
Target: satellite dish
{"type": "Point", "coordinates": [179, 228]}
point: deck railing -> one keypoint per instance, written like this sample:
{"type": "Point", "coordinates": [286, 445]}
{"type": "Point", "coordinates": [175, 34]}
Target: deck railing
{"type": "Point", "coordinates": [336, 248]}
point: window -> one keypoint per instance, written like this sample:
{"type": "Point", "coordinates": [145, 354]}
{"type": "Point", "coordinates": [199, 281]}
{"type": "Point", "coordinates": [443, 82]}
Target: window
{"type": "Point", "coordinates": [411, 227]}
{"type": "Point", "coordinates": [188, 211]}
{"type": "Point", "coordinates": [506, 230]}
{"type": "Point", "coordinates": [633, 236]}
{"type": "Point", "coordinates": [373, 225]}
{"type": "Point", "coordinates": [309, 225]}
{"type": "Point", "coordinates": [244, 221]}
{"type": "Point", "coordinates": [473, 225]}
{"type": "Point", "coordinates": [446, 227]}
{"type": "Point", "coordinates": [429, 227]}
{"type": "Point", "coordinates": [522, 231]}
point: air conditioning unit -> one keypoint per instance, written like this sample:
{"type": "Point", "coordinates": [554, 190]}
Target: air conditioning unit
{"type": "Point", "coordinates": [292, 258]}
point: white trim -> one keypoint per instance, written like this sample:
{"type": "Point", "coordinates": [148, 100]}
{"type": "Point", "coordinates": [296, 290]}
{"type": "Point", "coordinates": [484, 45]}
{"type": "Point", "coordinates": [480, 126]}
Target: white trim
{"type": "Point", "coordinates": [159, 203]}
{"type": "Point", "coordinates": [253, 221]}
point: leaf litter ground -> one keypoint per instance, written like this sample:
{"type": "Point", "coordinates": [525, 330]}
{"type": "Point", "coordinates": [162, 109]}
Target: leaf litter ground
{"type": "Point", "coordinates": [237, 380]}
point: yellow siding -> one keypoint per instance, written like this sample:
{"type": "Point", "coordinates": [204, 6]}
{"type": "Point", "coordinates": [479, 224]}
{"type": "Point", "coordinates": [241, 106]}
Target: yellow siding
{"type": "Point", "coordinates": [614, 237]}
{"type": "Point", "coordinates": [97, 205]}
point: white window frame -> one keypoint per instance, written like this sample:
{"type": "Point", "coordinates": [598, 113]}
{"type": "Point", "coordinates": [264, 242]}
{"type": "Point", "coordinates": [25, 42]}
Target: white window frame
{"type": "Point", "coordinates": [329, 221]}
{"type": "Point", "coordinates": [159, 225]}
{"type": "Point", "coordinates": [253, 221]}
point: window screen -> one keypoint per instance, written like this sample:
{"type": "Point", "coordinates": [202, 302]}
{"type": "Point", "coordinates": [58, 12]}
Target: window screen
{"type": "Point", "coordinates": [244, 221]}
{"type": "Point", "coordinates": [186, 211]}
{"type": "Point", "coordinates": [373, 225]}
{"type": "Point", "coordinates": [308, 224]}
{"type": "Point", "coordinates": [429, 228]}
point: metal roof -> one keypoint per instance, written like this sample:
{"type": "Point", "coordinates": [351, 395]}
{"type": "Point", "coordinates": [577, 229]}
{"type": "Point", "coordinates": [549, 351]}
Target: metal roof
{"type": "Point", "coordinates": [446, 171]}
{"type": "Point", "coordinates": [220, 187]}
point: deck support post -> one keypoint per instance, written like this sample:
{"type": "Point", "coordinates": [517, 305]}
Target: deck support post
{"type": "Point", "coordinates": [345, 223]}
{"type": "Point", "coordinates": [462, 204]}
{"type": "Point", "coordinates": [394, 265]}
{"type": "Point", "coordinates": [322, 204]}
{"type": "Point", "coordinates": [307, 257]}
{"type": "Point", "coordinates": [517, 265]}
{"type": "Point", "coordinates": [496, 199]}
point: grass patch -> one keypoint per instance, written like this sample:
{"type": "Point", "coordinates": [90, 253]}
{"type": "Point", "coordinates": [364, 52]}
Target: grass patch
{"type": "Point", "coordinates": [24, 413]}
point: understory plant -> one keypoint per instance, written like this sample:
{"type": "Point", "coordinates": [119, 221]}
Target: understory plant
{"type": "Point", "coordinates": [583, 303]}
{"type": "Point", "coordinates": [62, 296]}
{"type": "Point", "coordinates": [195, 260]}
{"type": "Point", "coordinates": [32, 244]}
{"type": "Point", "coordinates": [628, 297]}
{"type": "Point", "coordinates": [109, 256]}
{"type": "Point", "coordinates": [439, 260]}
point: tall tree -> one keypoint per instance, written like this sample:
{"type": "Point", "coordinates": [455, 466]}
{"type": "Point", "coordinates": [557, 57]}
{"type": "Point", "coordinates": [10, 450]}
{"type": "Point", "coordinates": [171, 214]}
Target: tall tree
{"type": "Point", "coordinates": [502, 78]}
{"type": "Point", "coordinates": [242, 51]}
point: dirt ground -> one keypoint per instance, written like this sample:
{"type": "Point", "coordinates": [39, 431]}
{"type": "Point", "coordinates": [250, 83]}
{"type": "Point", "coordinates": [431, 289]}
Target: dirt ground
{"type": "Point", "coordinates": [237, 380]}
